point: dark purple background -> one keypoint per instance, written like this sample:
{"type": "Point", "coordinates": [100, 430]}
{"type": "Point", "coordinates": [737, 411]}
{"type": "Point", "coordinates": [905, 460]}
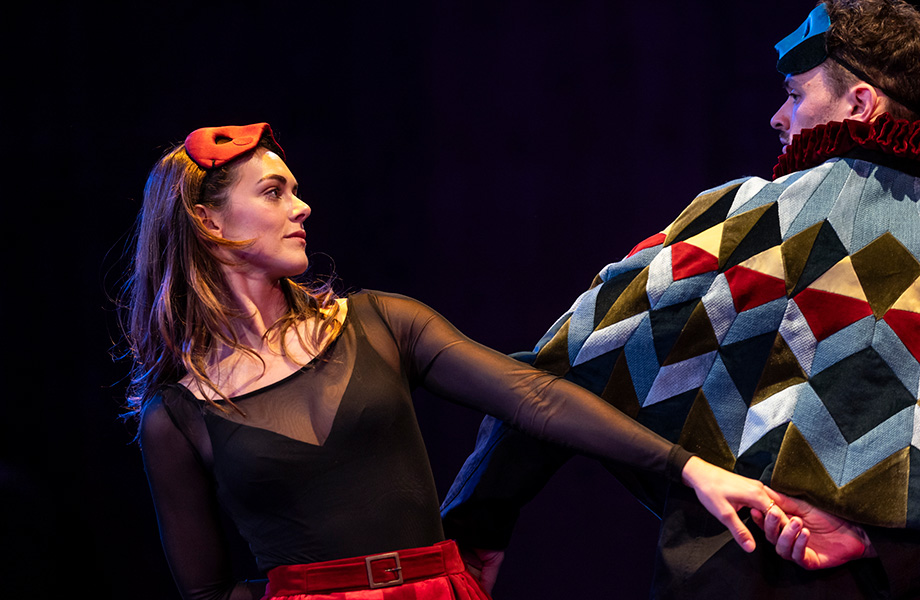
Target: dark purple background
{"type": "Point", "coordinates": [487, 158]}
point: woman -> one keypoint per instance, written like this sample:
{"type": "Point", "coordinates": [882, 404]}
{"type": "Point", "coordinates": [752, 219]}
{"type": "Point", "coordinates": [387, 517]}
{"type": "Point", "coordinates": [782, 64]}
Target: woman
{"type": "Point", "coordinates": [291, 408]}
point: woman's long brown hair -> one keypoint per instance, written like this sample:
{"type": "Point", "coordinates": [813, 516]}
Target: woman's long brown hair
{"type": "Point", "coordinates": [176, 306]}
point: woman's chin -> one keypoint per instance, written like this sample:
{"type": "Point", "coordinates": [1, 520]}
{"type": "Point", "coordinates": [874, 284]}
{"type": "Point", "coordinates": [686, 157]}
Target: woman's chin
{"type": "Point", "coordinates": [298, 270]}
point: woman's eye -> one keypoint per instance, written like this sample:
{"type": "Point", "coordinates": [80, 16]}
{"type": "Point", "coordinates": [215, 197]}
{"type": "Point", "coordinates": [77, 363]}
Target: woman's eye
{"type": "Point", "coordinates": [274, 192]}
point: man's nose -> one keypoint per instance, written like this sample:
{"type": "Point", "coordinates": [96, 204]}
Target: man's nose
{"type": "Point", "coordinates": [780, 119]}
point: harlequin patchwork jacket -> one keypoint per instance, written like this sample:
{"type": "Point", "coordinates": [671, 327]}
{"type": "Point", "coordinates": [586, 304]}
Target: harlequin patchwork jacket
{"type": "Point", "coordinates": [773, 329]}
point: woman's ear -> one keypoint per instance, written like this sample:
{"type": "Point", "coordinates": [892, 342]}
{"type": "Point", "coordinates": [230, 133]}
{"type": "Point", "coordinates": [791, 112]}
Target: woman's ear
{"type": "Point", "coordinates": [209, 219]}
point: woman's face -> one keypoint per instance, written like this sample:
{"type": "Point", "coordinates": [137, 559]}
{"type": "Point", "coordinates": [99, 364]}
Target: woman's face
{"type": "Point", "coordinates": [263, 207]}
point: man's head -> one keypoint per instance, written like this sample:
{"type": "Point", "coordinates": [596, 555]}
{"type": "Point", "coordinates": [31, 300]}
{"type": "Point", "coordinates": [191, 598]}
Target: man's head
{"type": "Point", "coordinates": [852, 59]}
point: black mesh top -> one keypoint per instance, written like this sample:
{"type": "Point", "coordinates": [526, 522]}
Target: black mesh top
{"type": "Point", "coordinates": [329, 462]}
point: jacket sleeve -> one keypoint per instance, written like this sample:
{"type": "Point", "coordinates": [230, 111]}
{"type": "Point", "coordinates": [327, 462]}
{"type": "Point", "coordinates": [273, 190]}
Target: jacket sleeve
{"type": "Point", "coordinates": [505, 471]}
{"type": "Point", "coordinates": [899, 553]}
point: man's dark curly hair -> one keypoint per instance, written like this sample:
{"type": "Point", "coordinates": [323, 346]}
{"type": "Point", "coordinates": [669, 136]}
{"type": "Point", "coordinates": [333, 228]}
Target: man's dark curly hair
{"type": "Point", "coordinates": [880, 41]}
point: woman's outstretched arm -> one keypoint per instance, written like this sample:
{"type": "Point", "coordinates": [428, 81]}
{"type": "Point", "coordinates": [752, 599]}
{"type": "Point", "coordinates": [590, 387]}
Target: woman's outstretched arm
{"type": "Point", "coordinates": [552, 408]}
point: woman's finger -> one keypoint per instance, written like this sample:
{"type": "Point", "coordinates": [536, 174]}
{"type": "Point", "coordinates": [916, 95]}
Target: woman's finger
{"type": "Point", "coordinates": [741, 533]}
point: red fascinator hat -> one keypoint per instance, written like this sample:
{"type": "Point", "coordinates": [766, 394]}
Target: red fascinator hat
{"type": "Point", "coordinates": [211, 147]}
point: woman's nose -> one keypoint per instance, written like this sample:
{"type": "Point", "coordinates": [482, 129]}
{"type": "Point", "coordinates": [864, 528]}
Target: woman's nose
{"type": "Point", "coordinates": [301, 210]}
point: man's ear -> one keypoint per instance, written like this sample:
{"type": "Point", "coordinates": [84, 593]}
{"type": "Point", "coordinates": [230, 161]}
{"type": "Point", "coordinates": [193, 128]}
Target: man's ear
{"type": "Point", "coordinates": [209, 219]}
{"type": "Point", "coordinates": [865, 102]}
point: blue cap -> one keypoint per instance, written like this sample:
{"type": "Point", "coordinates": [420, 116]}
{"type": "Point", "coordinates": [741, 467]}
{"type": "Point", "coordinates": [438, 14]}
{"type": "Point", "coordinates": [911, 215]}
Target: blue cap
{"type": "Point", "coordinates": [805, 47]}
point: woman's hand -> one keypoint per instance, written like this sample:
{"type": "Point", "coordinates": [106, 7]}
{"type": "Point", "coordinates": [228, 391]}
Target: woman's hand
{"type": "Point", "coordinates": [723, 493]}
{"type": "Point", "coordinates": [813, 538]}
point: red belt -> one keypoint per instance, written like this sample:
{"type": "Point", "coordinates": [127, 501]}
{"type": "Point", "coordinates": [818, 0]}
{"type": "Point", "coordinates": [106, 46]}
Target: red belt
{"type": "Point", "coordinates": [366, 572]}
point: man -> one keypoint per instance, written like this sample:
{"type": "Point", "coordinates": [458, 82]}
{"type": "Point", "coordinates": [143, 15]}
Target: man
{"type": "Point", "coordinates": [773, 329]}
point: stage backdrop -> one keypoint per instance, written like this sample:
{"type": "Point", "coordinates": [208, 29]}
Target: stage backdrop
{"type": "Point", "coordinates": [487, 158]}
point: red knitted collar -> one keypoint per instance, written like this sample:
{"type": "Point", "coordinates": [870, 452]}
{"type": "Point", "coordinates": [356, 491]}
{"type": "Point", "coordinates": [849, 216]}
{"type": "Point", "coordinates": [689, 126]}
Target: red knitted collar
{"type": "Point", "coordinates": [895, 137]}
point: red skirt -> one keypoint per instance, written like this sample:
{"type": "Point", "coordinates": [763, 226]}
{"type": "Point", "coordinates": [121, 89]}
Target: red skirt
{"type": "Point", "coordinates": [432, 573]}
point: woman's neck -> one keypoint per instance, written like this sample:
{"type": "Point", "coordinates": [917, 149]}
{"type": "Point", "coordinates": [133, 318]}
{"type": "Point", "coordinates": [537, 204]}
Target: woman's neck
{"type": "Point", "coordinates": [260, 303]}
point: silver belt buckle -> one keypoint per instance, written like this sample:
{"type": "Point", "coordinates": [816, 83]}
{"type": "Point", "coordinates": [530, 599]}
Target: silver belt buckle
{"type": "Point", "coordinates": [397, 569]}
